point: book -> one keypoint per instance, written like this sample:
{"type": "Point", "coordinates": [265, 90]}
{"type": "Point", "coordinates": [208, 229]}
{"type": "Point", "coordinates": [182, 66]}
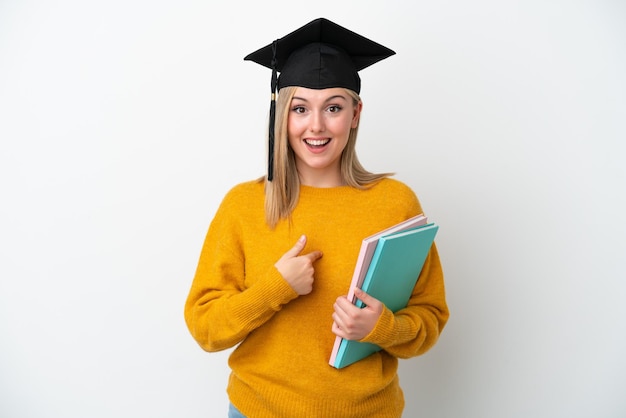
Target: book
{"type": "Point", "coordinates": [391, 275]}
{"type": "Point", "coordinates": [368, 246]}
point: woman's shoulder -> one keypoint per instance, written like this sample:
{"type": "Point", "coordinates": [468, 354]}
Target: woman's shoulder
{"type": "Point", "coordinates": [391, 185]}
{"type": "Point", "coordinates": [398, 192]}
{"type": "Point", "coordinates": [246, 189]}
{"type": "Point", "coordinates": [244, 195]}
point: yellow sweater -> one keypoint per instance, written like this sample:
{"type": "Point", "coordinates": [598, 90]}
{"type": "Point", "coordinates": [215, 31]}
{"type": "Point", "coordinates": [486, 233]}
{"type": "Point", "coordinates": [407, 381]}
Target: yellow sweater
{"type": "Point", "coordinates": [280, 368]}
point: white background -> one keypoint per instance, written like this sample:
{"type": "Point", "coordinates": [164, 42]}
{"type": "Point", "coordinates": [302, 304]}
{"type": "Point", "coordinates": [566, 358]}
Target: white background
{"type": "Point", "coordinates": [123, 123]}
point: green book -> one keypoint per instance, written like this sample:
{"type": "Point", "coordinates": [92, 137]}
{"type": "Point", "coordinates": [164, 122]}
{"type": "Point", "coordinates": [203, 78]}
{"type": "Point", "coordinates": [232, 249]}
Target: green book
{"type": "Point", "coordinates": [392, 274]}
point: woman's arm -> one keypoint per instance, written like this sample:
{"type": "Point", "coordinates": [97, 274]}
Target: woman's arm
{"type": "Point", "coordinates": [220, 311]}
{"type": "Point", "coordinates": [407, 333]}
{"type": "Point", "coordinates": [222, 307]}
{"type": "Point", "coordinates": [415, 329]}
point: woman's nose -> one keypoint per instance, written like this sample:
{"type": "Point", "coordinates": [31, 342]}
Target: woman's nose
{"type": "Point", "coordinates": [317, 122]}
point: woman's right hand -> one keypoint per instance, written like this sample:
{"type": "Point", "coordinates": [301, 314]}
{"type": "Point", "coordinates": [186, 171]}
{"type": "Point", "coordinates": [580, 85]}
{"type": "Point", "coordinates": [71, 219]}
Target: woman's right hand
{"type": "Point", "coordinates": [298, 269]}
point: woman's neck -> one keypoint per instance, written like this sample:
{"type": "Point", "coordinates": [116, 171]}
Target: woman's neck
{"type": "Point", "coordinates": [324, 179]}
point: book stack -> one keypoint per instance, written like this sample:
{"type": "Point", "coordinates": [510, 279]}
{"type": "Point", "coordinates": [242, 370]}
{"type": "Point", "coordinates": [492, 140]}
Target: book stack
{"type": "Point", "coordinates": [387, 268]}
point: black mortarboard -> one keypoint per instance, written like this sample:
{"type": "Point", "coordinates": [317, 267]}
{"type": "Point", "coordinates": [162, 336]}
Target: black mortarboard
{"type": "Point", "coordinates": [319, 55]}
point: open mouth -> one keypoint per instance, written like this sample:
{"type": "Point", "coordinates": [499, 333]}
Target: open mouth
{"type": "Point", "coordinates": [317, 143]}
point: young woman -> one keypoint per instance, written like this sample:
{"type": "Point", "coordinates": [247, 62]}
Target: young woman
{"type": "Point", "coordinates": [279, 255]}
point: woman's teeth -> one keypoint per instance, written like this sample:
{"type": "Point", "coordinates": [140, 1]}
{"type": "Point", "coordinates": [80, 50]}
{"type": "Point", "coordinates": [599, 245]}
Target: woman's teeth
{"type": "Point", "coordinates": [317, 142]}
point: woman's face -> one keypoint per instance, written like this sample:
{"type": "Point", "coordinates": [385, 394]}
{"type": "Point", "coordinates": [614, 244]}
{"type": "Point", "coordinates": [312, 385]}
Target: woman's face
{"type": "Point", "coordinates": [318, 127]}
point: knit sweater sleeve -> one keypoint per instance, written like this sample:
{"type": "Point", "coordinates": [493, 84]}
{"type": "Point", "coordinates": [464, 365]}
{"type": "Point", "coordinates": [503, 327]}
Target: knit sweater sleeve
{"type": "Point", "coordinates": [221, 309]}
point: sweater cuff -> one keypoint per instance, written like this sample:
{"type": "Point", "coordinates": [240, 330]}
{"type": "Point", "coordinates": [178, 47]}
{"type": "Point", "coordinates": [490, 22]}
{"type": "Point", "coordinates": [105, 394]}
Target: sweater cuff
{"type": "Point", "coordinates": [270, 293]}
{"type": "Point", "coordinates": [384, 333]}
{"type": "Point", "coordinates": [275, 290]}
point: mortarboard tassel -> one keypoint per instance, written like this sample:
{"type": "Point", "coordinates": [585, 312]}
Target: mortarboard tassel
{"type": "Point", "coordinates": [270, 162]}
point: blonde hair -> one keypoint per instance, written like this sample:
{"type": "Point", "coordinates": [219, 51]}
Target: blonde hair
{"type": "Point", "coordinates": [282, 193]}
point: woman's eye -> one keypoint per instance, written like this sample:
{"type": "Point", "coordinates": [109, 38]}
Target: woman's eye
{"type": "Point", "coordinates": [334, 108]}
{"type": "Point", "coordinates": [298, 109]}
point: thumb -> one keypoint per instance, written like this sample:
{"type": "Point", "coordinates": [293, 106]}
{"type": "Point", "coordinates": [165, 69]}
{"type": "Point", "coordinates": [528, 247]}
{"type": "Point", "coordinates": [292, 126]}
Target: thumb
{"type": "Point", "coordinates": [296, 249]}
{"type": "Point", "coordinates": [365, 298]}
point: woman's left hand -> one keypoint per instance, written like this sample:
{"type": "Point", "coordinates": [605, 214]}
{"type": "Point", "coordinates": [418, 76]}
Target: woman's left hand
{"type": "Point", "coordinates": [352, 322]}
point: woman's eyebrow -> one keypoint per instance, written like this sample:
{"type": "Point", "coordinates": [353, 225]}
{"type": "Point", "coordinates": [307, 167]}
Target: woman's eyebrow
{"type": "Point", "coordinates": [337, 96]}
{"type": "Point", "coordinates": [331, 98]}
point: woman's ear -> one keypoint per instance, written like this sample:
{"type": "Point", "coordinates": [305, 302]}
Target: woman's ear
{"type": "Point", "coordinates": [357, 114]}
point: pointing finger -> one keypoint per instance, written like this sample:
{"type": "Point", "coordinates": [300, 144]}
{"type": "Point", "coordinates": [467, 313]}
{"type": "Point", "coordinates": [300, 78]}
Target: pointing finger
{"type": "Point", "coordinates": [313, 256]}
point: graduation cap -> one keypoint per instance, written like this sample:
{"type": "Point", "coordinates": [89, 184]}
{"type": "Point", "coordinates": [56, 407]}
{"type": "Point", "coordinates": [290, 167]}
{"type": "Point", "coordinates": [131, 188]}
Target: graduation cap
{"type": "Point", "coordinates": [319, 55]}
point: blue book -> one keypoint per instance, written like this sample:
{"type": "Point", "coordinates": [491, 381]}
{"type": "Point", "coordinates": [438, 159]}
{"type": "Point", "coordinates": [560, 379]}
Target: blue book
{"type": "Point", "coordinates": [392, 274]}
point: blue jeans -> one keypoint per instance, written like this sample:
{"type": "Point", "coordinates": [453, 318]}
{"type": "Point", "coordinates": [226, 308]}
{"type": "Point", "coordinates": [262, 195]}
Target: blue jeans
{"type": "Point", "coordinates": [234, 412]}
